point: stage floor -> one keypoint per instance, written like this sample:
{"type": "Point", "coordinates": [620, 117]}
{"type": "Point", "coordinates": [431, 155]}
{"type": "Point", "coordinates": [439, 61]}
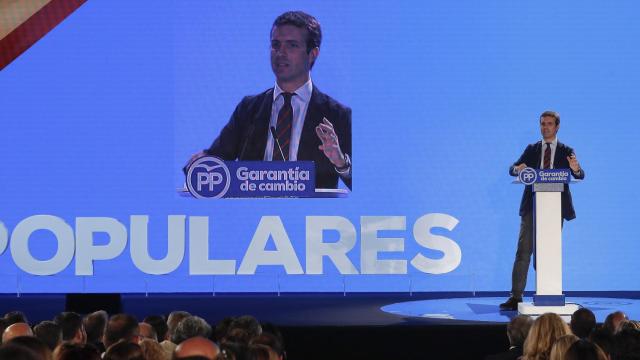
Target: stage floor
{"type": "Point", "coordinates": [319, 309]}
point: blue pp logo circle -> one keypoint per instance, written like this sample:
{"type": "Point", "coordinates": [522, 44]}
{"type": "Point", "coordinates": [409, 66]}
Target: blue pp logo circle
{"type": "Point", "coordinates": [208, 178]}
{"type": "Point", "coordinates": [528, 176]}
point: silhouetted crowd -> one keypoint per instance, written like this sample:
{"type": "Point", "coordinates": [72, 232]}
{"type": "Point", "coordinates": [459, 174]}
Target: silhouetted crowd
{"type": "Point", "coordinates": [70, 336]}
{"type": "Point", "coordinates": [549, 337]}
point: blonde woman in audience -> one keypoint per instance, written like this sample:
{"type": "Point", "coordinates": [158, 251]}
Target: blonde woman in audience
{"type": "Point", "coordinates": [153, 351]}
{"type": "Point", "coordinates": [561, 346]}
{"type": "Point", "coordinates": [545, 331]}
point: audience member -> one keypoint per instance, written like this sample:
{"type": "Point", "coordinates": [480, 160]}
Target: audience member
{"type": "Point", "coordinates": [72, 351]}
{"type": "Point", "coordinates": [153, 351]}
{"type": "Point", "coordinates": [247, 323]}
{"type": "Point", "coordinates": [583, 322]}
{"type": "Point", "coordinates": [172, 323]}
{"type": "Point", "coordinates": [234, 351]}
{"type": "Point", "coordinates": [147, 331]}
{"type": "Point", "coordinates": [15, 330]}
{"type": "Point", "coordinates": [159, 324]}
{"type": "Point", "coordinates": [34, 344]}
{"type": "Point", "coordinates": [584, 350]}
{"type": "Point", "coordinates": [17, 352]}
{"type": "Point", "coordinates": [626, 345]}
{"type": "Point", "coordinates": [121, 327]}
{"type": "Point", "coordinates": [221, 328]}
{"type": "Point", "coordinates": [276, 343]}
{"type": "Point", "coordinates": [49, 332]}
{"type": "Point", "coordinates": [613, 320]}
{"type": "Point", "coordinates": [189, 327]}
{"type": "Point", "coordinates": [196, 346]}
{"type": "Point", "coordinates": [72, 327]}
{"type": "Point", "coordinates": [3, 326]}
{"type": "Point", "coordinates": [545, 330]}
{"type": "Point", "coordinates": [124, 350]}
{"type": "Point", "coordinates": [13, 317]}
{"type": "Point", "coordinates": [517, 331]}
{"type": "Point", "coordinates": [95, 325]}
{"type": "Point", "coordinates": [261, 352]}
{"type": "Point", "coordinates": [603, 339]}
{"type": "Point", "coordinates": [560, 347]}
{"type": "Point", "coordinates": [629, 324]}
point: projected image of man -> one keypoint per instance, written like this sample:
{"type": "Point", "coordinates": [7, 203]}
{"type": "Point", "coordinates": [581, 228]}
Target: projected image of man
{"type": "Point", "coordinates": [293, 120]}
{"type": "Point", "coordinates": [548, 153]}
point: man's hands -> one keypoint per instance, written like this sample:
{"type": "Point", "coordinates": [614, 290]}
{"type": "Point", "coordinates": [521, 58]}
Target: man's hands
{"type": "Point", "coordinates": [519, 167]}
{"type": "Point", "coordinates": [330, 145]}
{"type": "Point", "coordinates": [573, 163]}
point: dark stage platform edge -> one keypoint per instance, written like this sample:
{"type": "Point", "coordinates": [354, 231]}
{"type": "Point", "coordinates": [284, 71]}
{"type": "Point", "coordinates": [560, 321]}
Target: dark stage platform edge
{"type": "Point", "coordinates": [316, 325]}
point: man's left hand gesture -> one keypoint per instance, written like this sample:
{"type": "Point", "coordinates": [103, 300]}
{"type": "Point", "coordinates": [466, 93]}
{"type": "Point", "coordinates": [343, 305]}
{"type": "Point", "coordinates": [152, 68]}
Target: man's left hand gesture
{"type": "Point", "coordinates": [330, 145]}
{"type": "Point", "coordinates": [573, 163]}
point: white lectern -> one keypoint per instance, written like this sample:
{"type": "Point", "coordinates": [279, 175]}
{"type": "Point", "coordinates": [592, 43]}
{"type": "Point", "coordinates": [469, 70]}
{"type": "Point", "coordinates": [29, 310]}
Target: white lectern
{"type": "Point", "coordinates": [548, 185]}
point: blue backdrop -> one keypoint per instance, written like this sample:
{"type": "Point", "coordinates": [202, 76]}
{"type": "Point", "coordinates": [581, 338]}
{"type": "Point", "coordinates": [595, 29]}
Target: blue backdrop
{"type": "Point", "coordinates": [98, 118]}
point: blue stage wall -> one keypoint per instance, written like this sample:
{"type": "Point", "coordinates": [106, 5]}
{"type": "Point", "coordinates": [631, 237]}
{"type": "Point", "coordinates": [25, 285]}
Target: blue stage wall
{"type": "Point", "coordinates": [98, 118]}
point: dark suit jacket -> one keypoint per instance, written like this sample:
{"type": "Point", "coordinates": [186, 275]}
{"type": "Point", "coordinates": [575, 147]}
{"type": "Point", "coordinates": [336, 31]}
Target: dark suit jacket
{"type": "Point", "coordinates": [245, 135]}
{"type": "Point", "coordinates": [531, 156]}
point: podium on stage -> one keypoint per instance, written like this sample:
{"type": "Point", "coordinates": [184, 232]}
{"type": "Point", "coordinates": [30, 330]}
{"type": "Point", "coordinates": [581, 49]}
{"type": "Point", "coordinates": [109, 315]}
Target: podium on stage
{"type": "Point", "coordinates": [547, 185]}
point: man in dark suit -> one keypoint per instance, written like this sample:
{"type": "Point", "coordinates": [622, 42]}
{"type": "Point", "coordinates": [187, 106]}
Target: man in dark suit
{"type": "Point", "coordinates": [307, 124]}
{"type": "Point", "coordinates": [546, 154]}
{"type": "Point", "coordinates": [517, 331]}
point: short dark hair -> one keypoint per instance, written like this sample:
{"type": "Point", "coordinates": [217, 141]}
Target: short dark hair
{"type": "Point", "coordinates": [159, 324]}
{"type": "Point", "coordinates": [553, 114]}
{"type": "Point", "coordinates": [189, 327]}
{"type": "Point", "coordinates": [69, 322]}
{"type": "Point", "coordinates": [34, 344]}
{"type": "Point", "coordinates": [583, 322]}
{"type": "Point", "coordinates": [49, 332]}
{"type": "Point", "coordinates": [124, 349]}
{"type": "Point", "coordinates": [302, 20]}
{"type": "Point", "coordinates": [94, 325]}
{"type": "Point", "coordinates": [120, 327]}
{"type": "Point", "coordinates": [14, 317]}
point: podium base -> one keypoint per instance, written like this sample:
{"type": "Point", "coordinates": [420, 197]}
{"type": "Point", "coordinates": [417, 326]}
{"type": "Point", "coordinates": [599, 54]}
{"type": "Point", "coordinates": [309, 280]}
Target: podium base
{"type": "Point", "coordinates": [533, 310]}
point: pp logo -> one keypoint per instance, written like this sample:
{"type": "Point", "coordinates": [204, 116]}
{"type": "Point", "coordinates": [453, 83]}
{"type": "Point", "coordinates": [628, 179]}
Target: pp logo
{"type": "Point", "coordinates": [208, 178]}
{"type": "Point", "coordinates": [528, 176]}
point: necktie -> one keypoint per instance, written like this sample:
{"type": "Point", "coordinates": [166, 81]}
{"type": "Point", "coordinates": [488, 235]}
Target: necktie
{"type": "Point", "coordinates": [283, 128]}
{"type": "Point", "coordinates": [547, 157]}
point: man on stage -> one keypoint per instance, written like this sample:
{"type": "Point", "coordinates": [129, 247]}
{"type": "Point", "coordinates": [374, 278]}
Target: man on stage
{"type": "Point", "coordinates": [546, 154]}
{"type": "Point", "coordinates": [292, 120]}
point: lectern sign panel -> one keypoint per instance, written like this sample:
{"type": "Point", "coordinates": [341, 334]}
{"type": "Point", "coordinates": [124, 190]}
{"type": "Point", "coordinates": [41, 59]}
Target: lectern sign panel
{"type": "Point", "coordinates": [210, 178]}
{"type": "Point", "coordinates": [530, 176]}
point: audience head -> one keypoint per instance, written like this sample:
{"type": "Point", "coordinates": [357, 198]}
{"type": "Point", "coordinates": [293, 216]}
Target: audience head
{"type": "Point", "coordinates": [152, 350]}
{"type": "Point", "coordinates": [121, 327]}
{"type": "Point", "coordinates": [172, 322]}
{"type": "Point", "coordinates": [613, 320]}
{"type": "Point", "coordinates": [147, 331]}
{"type": "Point", "coordinates": [189, 327]}
{"type": "Point", "coordinates": [603, 339]}
{"type": "Point", "coordinates": [159, 324]}
{"type": "Point", "coordinates": [221, 328]}
{"type": "Point", "coordinates": [561, 346]}
{"type": "Point", "coordinates": [72, 327]}
{"type": "Point", "coordinates": [518, 329]}
{"type": "Point", "coordinates": [196, 346]}
{"type": "Point", "coordinates": [95, 324]}
{"type": "Point", "coordinates": [233, 351]}
{"type": "Point", "coordinates": [262, 352]}
{"type": "Point", "coordinates": [272, 341]}
{"type": "Point", "coordinates": [583, 322]}
{"type": "Point", "coordinates": [13, 317]}
{"type": "Point", "coordinates": [545, 330]}
{"type": "Point", "coordinates": [34, 344]}
{"type": "Point", "coordinates": [49, 332]}
{"type": "Point", "coordinates": [17, 352]}
{"type": "Point", "coordinates": [584, 350]}
{"type": "Point", "coordinates": [15, 330]}
{"type": "Point", "coordinates": [629, 324]}
{"type": "Point", "coordinates": [124, 350]}
{"type": "Point", "coordinates": [626, 345]}
{"type": "Point", "coordinates": [243, 329]}
{"type": "Point", "coordinates": [72, 351]}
